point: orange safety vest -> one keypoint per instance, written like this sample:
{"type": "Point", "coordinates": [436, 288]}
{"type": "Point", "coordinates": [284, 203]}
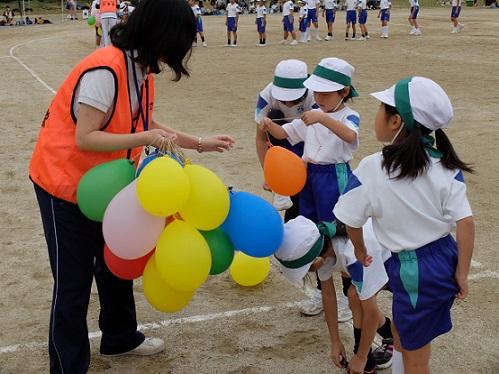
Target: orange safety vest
{"type": "Point", "coordinates": [107, 6]}
{"type": "Point", "coordinates": [57, 164]}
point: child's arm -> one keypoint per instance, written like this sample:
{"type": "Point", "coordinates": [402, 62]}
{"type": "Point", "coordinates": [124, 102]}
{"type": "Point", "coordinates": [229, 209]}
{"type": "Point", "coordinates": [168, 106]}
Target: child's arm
{"type": "Point", "coordinates": [261, 144]}
{"type": "Point", "coordinates": [331, 315]}
{"type": "Point", "coordinates": [218, 143]}
{"type": "Point", "coordinates": [339, 129]}
{"type": "Point", "coordinates": [273, 128]}
{"type": "Point", "coordinates": [370, 317]}
{"type": "Point", "coordinates": [356, 235]}
{"type": "Point", "coordinates": [465, 237]}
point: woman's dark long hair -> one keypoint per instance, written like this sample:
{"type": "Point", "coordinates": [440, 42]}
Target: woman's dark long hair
{"type": "Point", "coordinates": [160, 31]}
{"type": "Point", "coordinates": [408, 156]}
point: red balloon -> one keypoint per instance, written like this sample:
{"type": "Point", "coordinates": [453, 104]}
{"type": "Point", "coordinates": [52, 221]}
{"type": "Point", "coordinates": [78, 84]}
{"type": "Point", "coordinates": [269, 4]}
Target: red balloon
{"type": "Point", "coordinates": [125, 269]}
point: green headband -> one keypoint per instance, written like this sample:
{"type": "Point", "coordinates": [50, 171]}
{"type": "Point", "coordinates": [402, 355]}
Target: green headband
{"type": "Point", "coordinates": [335, 76]}
{"type": "Point", "coordinates": [292, 83]}
{"type": "Point", "coordinates": [403, 106]}
{"type": "Point", "coordinates": [326, 229]}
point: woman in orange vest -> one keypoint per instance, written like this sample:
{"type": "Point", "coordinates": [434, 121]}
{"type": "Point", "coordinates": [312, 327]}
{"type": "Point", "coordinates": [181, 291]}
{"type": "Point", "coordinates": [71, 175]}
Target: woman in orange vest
{"type": "Point", "coordinates": [104, 111]}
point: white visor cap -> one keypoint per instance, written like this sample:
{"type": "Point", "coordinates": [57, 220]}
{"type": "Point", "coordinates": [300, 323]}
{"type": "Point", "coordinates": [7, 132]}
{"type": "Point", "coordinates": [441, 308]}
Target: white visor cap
{"type": "Point", "coordinates": [288, 80]}
{"type": "Point", "coordinates": [320, 84]}
{"type": "Point", "coordinates": [430, 105]}
{"type": "Point", "coordinates": [300, 234]}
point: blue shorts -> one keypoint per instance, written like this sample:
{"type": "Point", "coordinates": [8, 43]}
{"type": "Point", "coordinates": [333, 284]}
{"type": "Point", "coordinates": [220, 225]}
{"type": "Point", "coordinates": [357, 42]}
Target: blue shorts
{"type": "Point", "coordinates": [363, 17]}
{"type": "Point", "coordinates": [231, 24]}
{"type": "Point", "coordinates": [312, 15]}
{"type": "Point", "coordinates": [351, 17]}
{"type": "Point", "coordinates": [303, 24]}
{"type": "Point", "coordinates": [456, 10]}
{"type": "Point", "coordinates": [330, 16]}
{"type": "Point", "coordinates": [385, 15]}
{"type": "Point", "coordinates": [199, 24]}
{"type": "Point", "coordinates": [322, 190]}
{"type": "Point", "coordinates": [260, 25]}
{"type": "Point", "coordinates": [424, 290]}
{"type": "Point", "coordinates": [287, 23]}
{"type": "Point", "coordinates": [414, 12]}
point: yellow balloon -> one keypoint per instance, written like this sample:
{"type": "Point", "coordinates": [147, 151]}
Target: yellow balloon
{"type": "Point", "coordinates": [157, 292]}
{"type": "Point", "coordinates": [183, 257]}
{"type": "Point", "coordinates": [163, 187]}
{"type": "Point", "coordinates": [208, 203]}
{"type": "Point", "coordinates": [249, 271]}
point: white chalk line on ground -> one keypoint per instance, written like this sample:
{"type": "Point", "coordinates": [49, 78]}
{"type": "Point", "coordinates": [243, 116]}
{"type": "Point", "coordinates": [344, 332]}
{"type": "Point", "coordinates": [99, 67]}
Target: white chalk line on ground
{"type": "Point", "coordinates": [168, 323]}
{"type": "Point", "coordinates": [484, 274]}
{"type": "Point", "coordinates": [28, 69]}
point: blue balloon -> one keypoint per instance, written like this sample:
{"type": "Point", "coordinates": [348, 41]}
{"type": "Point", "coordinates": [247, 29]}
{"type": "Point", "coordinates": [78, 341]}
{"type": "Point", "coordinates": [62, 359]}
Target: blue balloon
{"type": "Point", "coordinates": [253, 225]}
{"type": "Point", "coordinates": [152, 157]}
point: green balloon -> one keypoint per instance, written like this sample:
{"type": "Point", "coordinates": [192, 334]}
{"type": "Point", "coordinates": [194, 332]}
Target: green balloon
{"type": "Point", "coordinates": [222, 250]}
{"type": "Point", "coordinates": [100, 184]}
{"type": "Point", "coordinates": [91, 20]}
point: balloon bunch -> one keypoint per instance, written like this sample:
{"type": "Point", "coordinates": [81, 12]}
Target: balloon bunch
{"type": "Point", "coordinates": [176, 223]}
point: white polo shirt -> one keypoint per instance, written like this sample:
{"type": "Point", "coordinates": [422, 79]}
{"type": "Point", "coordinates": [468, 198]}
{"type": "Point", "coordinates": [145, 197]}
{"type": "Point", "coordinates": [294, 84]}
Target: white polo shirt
{"type": "Point", "coordinates": [233, 10]}
{"type": "Point", "coordinates": [329, 4]}
{"type": "Point", "coordinates": [362, 4]}
{"type": "Point", "coordinates": [406, 213]}
{"type": "Point", "coordinates": [288, 8]}
{"type": "Point", "coordinates": [196, 10]}
{"type": "Point", "coordinates": [385, 4]}
{"type": "Point", "coordinates": [266, 102]}
{"type": "Point", "coordinates": [351, 4]}
{"type": "Point", "coordinates": [261, 11]}
{"type": "Point", "coordinates": [456, 2]}
{"type": "Point", "coordinates": [312, 4]}
{"type": "Point", "coordinates": [322, 146]}
{"type": "Point", "coordinates": [414, 3]}
{"type": "Point", "coordinates": [374, 276]}
{"type": "Point", "coordinates": [302, 12]}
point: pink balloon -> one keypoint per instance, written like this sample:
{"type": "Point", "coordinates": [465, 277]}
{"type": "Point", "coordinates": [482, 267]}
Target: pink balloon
{"type": "Point", "coordinates": [129, 231]}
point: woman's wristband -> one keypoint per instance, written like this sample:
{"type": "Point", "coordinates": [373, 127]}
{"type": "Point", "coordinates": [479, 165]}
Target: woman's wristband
{"type": "Point", "coordinates": [200, 145]}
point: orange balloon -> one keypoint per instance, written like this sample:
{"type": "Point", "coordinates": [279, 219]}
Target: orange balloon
{"type": "Point", "coordinates": [285, 173]}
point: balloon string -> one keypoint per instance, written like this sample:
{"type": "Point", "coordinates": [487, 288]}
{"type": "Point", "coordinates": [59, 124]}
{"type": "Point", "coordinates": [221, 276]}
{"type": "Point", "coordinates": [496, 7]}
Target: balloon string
{"type": "Point", "coordinates": [168, 147]}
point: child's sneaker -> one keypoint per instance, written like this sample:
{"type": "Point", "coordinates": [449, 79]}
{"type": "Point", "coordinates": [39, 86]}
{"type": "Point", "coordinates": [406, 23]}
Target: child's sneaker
{"type": "Point", "coordinates": [294, 42]}
{"type": "Point", "coordinates": [454, 30]}
{"type": "Point", "coordinates": [284, 41]}
{"type": "Point", "coordinates": [327, 38]}
{"type": "Point", "coordinates": [361, 38]}
{"type": "Point", "coordinates": [281, 202]}
{"type": "Point", "coordinates": [460, 27]}
{"type": "Point", "coordinates": [383, 354]}
{"type": "Point", "coordinates": [418, 32]}
{"type": "Point", "coordinates": [150, 346]}
{"type": "Point", "coordinates": [313, 306]}
{"type": "Point", "coordinates": [413, 31]}
{"type": "Point", "coordinates": [205, 44]}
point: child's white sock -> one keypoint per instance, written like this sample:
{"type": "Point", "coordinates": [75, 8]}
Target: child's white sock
{"type": "Point", "coordinates": [397, 362]}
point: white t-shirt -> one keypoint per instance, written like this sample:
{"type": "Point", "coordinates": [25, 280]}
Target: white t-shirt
{"type": "Point", "coordinates": [302, 12]}
{"type": "Point", "coordinates": [456, 2]}
{"type": "Point", "coordinates": [288, 8]}
{"type": "Point", "coordinates": [406, 213]}
{"type": "Point", "coordinates": [266, 102]}
{"type": "Point", "coordinates": [329, 4]}
{"type": "Point", "coordinates": [97, 89]}
{"type": "Point", "coordinates": [196, 10]}
{"type": "Point", "coordinates": [233, 10]}
{"type": "Point", "coordinates": [414, 3]}
{"type": "Point", "coordinates": [261, 11]}
{"type": "Point", "coordinates": [385, 4]}
{"type": "Point", "coordinates": [374, 276]}
{"type": "Point", "coordinates": [312, 4]}
{"type": "Point", "coordinates": [351, 4]}
{"type": "Point", "coordinates": [322, 146]}
{"type": "Point", "coordinates": [362, 4]}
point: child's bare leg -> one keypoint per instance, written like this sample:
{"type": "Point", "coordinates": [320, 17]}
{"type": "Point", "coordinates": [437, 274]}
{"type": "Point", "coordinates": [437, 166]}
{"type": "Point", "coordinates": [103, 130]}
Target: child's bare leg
{"type": "Point", "coordinates": [415, 362]}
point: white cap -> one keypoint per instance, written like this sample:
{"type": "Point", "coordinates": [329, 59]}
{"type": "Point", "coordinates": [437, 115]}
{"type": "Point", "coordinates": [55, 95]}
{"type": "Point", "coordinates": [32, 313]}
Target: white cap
{"type": "Point", "coordinates": [430, 105]}
{"type": "Point", "coordinates": [288, 80]}
{"type": "Point", "coordinates": [325, 77]}
{"type": "Point", "coordinates": [300, 234]}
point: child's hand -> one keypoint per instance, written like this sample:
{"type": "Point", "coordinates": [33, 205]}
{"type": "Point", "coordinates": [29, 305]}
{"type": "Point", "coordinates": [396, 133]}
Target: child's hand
{"type": "Point", "coordinates": [362, 256]}
{"type": "Point", "coordinates": [217, 143]}
{"type": "Point", "coordinates": [462, 282]}
{"type": "Point", "coordinates": [338, 355]}
{"type": "Point", "coordinates": [356, 365]}
{"type": "Point", "coordinates": [266, 187]}
{"type": "Point", "coordinates": [265, 124]}
{"type": "Point", "coordinates": [312, 117]}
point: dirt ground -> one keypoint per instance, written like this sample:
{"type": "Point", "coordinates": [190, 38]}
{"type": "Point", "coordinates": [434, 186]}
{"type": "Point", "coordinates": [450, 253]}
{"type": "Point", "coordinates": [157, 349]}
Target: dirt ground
{"type": "Point", "coordinates": [229, 329]}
